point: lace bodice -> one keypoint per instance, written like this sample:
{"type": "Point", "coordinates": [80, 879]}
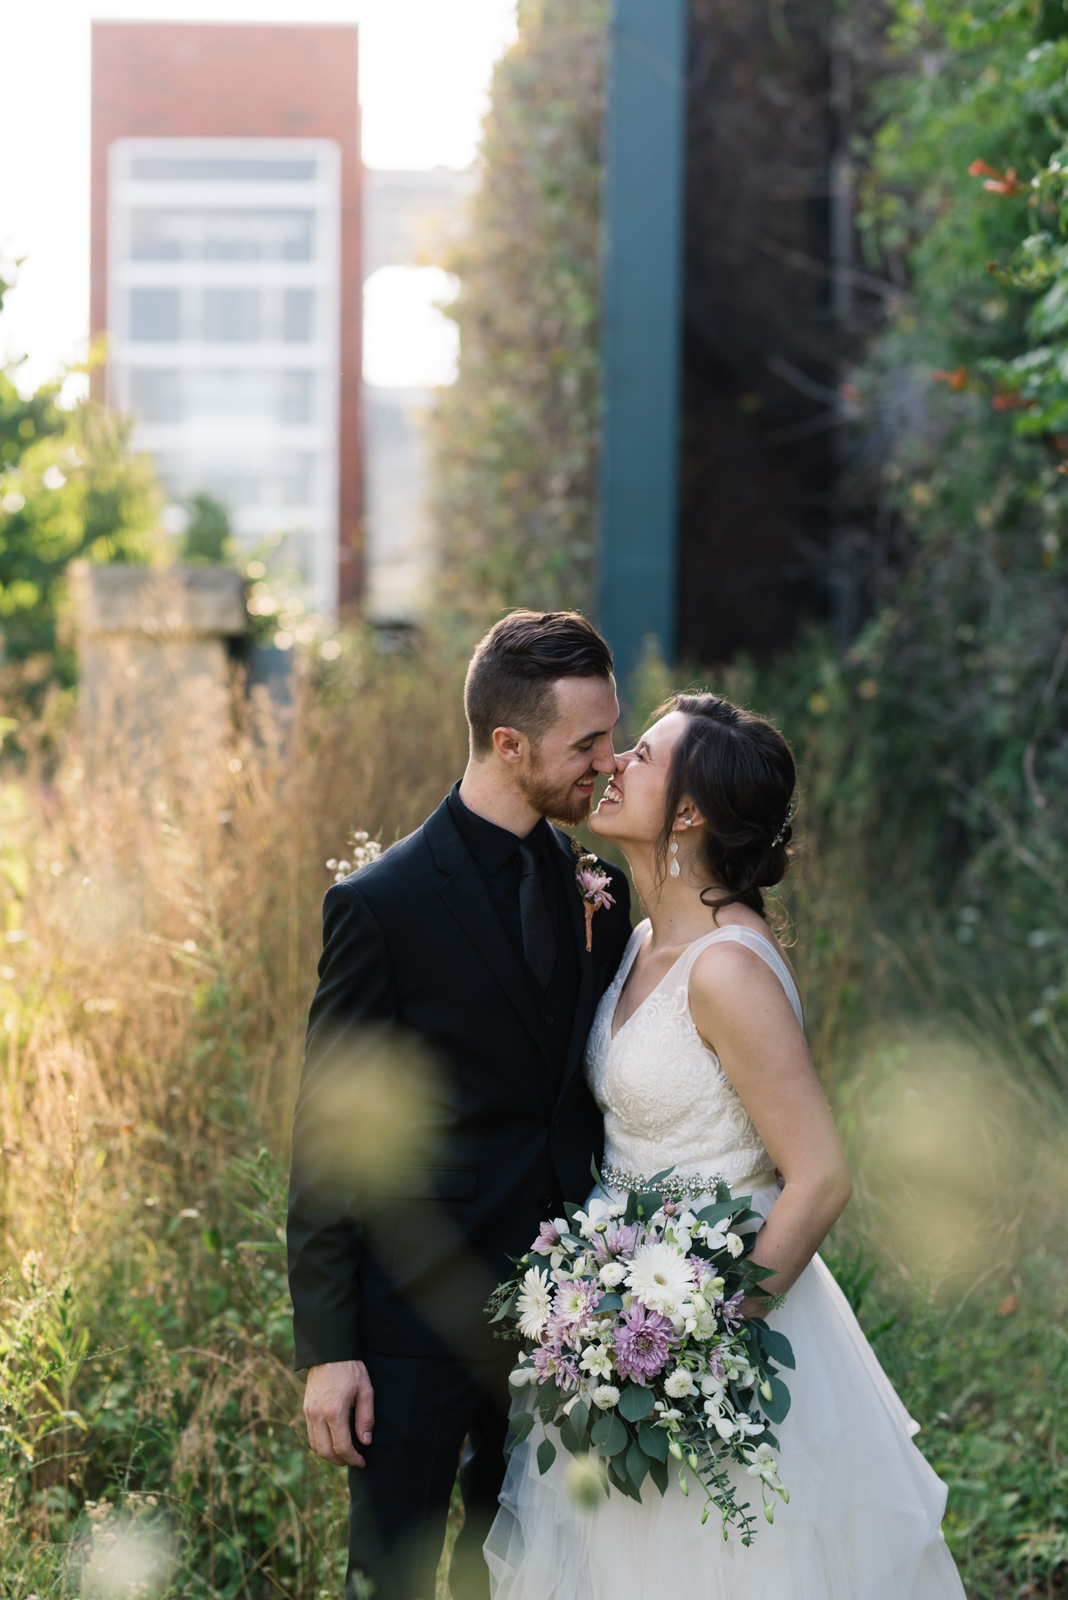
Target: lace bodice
{"type": "Point", "coordinates": [666, 1100]}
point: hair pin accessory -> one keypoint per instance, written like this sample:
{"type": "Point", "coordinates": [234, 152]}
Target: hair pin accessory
{"type": "Point", "coordinates": [778, 839]}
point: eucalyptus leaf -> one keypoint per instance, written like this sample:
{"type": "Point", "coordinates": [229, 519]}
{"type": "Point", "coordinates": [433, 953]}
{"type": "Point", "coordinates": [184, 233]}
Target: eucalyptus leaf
{"type": "Point", "coordinates": [654, 1441]}
{"type": "Point", "coordinates": [546, 1456]}
{"type": "Point", "coordinates": [775, 1344]}
{"type": "Point", "coordinates": [635, 1403]}
{"type": "Point", "coordinates": [777, 1407]}
{"type": "Point", "coordinates": [637, 1464]}
{"type": "Point", "coordinates": [600, 1430]}
{"type": "Point", "coordinates": [568, 1437]}
{"type": "Point", "coordinates": [618, 1475]}
{"type": "Point", "coordinates": [616, 1437]}
{"type": "Point", "coordinates": [658, 1472]}
{"type": "Point", "coordinates": [520, 1424]}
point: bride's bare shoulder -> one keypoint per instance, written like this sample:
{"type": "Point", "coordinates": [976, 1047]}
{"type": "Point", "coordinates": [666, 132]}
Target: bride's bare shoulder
{"type": "Point", "coordinates": [723, 966]}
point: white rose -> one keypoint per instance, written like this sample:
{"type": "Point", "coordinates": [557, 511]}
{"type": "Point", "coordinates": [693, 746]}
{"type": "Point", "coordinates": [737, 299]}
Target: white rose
{"type": "Point", "coordinates": [605, 1396]}
{"type": "Point", "coordinates": [612, 1274]}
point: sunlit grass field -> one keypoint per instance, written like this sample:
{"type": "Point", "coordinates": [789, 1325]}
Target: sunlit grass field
{"type": "Point", "coordinates": [162, 931]}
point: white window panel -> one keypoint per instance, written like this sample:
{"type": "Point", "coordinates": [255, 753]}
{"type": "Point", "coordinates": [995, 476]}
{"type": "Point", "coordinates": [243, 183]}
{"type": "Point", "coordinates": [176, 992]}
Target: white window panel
{"type": "Point", "coordinates": [223, 275]}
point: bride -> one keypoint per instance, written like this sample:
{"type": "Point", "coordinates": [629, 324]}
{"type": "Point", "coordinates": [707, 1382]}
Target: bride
{"type": "Point", "coordinates": [698, 1059]}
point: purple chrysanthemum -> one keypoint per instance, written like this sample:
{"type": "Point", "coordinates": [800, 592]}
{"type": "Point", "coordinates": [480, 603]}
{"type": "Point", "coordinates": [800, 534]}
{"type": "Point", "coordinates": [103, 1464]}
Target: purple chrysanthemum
{"type": "Point", "coordinates": [569, 1319]}
{"type": "Point", "coordinates": [731, 1313]}
{"type": "Point", "coordinates": [555, 1363]}
{"type": "Point", "coordinates": [547, 1240]}
{"type": "Point", "coordinates": [621, 1243]}
{"type": "Point", "coordinates": [702, 1272]}
{"type": "Point", "coordinates": [642, 1344]}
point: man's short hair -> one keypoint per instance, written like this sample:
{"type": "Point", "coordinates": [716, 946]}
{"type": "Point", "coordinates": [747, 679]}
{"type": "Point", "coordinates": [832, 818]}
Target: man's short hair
{"type": "Point", "coordinates": [510, 680]}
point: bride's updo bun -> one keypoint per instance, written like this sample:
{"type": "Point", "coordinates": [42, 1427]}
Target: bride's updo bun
{"type": "Point", "coordinates": [739, 772]}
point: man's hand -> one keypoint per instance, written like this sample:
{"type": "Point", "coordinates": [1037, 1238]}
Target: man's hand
{"type": "Point", "coordinates": [329, 1396]}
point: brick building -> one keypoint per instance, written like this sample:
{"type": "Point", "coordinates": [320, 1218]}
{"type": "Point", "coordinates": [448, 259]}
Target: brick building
{"type": "Point", "coordinates": [226, 273]}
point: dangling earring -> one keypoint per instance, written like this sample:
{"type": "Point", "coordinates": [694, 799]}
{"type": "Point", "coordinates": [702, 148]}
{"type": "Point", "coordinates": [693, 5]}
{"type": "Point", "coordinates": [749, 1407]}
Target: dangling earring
{"type": "Point", "coordinates": [674, 867]}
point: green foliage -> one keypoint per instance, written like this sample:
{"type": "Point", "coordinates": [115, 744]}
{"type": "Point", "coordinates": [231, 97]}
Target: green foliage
{"type": "Point", "coordinates": [939, 740]}
{"type": "Point", "coordinates": [69, 489]}
{"type": "Point", "coordinates": [207, 536]}
{"type": "Point", "coordinates": [987, 1381]}
{"type": "Point", "coordinates": [515, 447]}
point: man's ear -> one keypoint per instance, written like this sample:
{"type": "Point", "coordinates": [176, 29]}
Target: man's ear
{"type": "Point", "coordinates": [509, 744]}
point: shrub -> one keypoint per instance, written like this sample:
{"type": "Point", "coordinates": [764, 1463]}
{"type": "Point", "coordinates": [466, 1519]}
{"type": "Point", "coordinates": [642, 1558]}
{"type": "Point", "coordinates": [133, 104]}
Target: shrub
{"type": "Point", "coordinates": [515, 438]}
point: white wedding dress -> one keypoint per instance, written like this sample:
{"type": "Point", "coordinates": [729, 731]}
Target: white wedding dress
{"type": "Point", "coordinates": [863, 1521]}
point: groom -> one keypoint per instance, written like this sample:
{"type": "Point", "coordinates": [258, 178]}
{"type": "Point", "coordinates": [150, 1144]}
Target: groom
{"type": "Point", "coordinates": [459, 960]}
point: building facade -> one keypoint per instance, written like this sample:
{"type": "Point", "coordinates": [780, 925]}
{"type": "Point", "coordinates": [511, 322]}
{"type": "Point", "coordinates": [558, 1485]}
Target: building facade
{"type": "Point", "coordinates": [412, 220]}
{"type": "Point", "coordinates": [226, 276]}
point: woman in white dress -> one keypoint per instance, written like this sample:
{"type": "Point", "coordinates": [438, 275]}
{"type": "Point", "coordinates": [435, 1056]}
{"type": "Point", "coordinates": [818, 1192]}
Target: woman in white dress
{"type": "Point", "coordinates": [698, 1059]}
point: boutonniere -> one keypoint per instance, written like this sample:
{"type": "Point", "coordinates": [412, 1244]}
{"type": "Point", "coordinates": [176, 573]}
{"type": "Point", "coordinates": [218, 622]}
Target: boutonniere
{"type": "Point", "coordinates": [592, 886]}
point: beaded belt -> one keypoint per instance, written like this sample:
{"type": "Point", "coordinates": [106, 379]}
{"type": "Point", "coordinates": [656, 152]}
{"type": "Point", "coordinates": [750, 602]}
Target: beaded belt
{"type": "Point", "coordinates": [700, 1183]}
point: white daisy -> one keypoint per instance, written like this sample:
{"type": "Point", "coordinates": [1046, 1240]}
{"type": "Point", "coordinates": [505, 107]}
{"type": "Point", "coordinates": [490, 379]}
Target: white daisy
{"type": "Point", "coordinates": [532, 1305]}
{"type": "Point", "coordinates": [660, 1277]}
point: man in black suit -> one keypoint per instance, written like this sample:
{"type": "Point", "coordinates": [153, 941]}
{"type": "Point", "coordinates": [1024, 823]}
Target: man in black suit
{"type": "Point", "coordinates": [456, 984]}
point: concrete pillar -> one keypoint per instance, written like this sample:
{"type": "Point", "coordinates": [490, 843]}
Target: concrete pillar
{"type": "Point", "coordinates": [154, 659]}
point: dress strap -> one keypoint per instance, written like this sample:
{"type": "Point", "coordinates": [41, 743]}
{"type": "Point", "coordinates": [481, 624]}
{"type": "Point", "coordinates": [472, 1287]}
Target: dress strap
{"type": "Point", "coordinates": [630, 954]}
{"type": "Point", "coordinates": [737, 934]}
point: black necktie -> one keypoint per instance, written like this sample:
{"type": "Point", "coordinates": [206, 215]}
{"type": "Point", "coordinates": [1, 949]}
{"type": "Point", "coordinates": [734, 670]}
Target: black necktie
{"type": "Point", "coordinates": [539, 940]}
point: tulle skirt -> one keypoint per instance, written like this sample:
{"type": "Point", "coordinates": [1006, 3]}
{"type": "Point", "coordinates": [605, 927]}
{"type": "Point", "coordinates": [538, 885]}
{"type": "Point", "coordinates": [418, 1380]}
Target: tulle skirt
{"type": "Point", "coordinates": [863, 1521]}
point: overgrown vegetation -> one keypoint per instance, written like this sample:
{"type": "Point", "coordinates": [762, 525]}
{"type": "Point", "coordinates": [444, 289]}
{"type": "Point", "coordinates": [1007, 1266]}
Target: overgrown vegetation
{"type": "Point", "coordinates": [162, 932]}
{"type": "Point", "coordinates": [69, 488]}
{"type": "Point", "coordinates": [515, 445]}
{"type": "Point", "coordinates": [964, 736]}
{"type": "Point", "coordinates": [160, 954]}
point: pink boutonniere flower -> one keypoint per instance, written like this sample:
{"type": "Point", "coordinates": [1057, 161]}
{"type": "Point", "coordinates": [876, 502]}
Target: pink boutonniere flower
{"type": "Point", "coordinates": [593, 884]}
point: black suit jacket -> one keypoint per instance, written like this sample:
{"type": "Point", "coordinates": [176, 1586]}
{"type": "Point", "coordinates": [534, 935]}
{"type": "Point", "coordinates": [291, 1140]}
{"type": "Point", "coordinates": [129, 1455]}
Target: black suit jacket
{"type": "Point", "coordinates": [396, 1251]}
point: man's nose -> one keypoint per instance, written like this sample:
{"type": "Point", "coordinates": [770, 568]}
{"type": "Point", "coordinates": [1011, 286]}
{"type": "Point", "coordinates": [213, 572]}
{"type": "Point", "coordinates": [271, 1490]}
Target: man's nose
{"type": "Point", "coordinates": [605, 760]}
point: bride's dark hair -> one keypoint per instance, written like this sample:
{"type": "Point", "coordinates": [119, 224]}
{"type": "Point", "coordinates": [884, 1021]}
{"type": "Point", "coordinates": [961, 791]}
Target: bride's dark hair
{"type": "Point", "coordinates": [739, 772]}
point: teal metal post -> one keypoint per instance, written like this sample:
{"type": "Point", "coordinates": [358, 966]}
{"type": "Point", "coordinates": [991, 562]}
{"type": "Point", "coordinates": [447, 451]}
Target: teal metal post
{"type": "Point", "coordinates": [642, 311]}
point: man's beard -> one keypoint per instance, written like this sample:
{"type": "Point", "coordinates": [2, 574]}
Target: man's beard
{"type": "Point", "coordinates": [559, 802]}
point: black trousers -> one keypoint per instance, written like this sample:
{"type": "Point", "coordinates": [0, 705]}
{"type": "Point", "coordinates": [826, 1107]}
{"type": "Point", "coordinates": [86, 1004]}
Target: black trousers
{"type": "Point", "coordinates": [399, 1502]}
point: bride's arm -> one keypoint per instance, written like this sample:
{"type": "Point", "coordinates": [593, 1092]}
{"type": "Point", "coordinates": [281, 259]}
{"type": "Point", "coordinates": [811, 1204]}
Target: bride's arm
{"type": "Point", "coordinates": [742, 1013]}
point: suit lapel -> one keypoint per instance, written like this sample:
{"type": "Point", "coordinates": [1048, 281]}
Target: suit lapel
{"type": "Point", "coordinates": [584, 1008]}
{"type": "Point", "coordinates": [464, 893]}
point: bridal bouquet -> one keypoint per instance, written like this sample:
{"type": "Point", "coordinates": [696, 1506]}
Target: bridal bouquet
{"type": "Point", "coordinates": [634, 1346]}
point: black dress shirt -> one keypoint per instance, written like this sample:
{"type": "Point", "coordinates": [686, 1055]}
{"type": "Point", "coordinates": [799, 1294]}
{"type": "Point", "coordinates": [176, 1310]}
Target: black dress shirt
{"type": "Point", "coordinates": [495, 851]}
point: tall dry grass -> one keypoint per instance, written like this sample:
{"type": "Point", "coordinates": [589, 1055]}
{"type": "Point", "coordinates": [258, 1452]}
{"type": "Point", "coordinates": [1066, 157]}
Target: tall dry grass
{"type": "Point", "coordinates": [162, 921]}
